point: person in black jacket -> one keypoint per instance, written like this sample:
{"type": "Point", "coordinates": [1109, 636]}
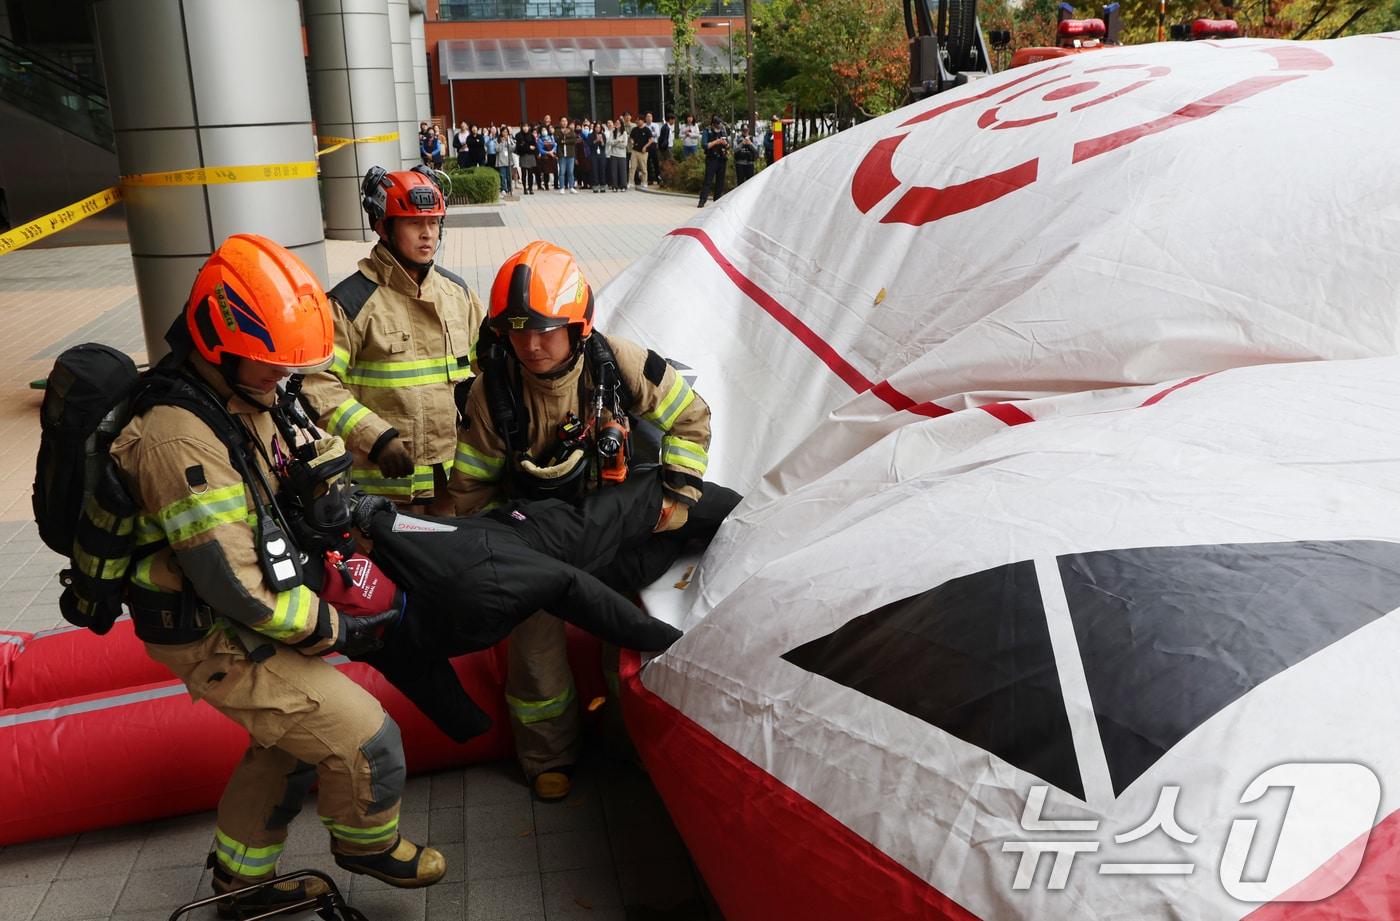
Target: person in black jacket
{"type": "Point", "coordinates": [745, 156]}
{"type": "Point", "coordinates": [525, 150]}
{"type": "Point", "coordinates": [470, 581]}
{"type": "Point", "coordinates": [665, 138]}
{"type": "Point", "coordinates": [715, 142]}
{"type": "Point", "coordinates": [476, 148]}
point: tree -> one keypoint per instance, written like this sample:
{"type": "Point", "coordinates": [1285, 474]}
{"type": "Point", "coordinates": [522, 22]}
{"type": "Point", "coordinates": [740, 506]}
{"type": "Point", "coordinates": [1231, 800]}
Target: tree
{"type": "Point", "coordinates": [849, 56]}
{"type": "Point", "coordinates": [1296, 19]}
{"type": "Point", "coordinates": [682, 14]}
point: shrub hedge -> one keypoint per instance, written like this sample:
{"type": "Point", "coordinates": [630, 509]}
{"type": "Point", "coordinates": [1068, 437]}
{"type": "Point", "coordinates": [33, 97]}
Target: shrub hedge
{"type": "Point", "coordinates": [480, 185]}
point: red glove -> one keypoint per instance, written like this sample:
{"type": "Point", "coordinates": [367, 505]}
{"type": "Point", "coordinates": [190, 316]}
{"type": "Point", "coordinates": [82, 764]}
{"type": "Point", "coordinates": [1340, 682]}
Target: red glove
{"type": "Point", "coordinates": [369, 592]}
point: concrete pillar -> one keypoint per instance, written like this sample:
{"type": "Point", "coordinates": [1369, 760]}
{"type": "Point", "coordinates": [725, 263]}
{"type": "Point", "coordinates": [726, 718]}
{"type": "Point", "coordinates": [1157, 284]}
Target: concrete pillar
{"type": "Point", "coordinates": [5, 30]}
{"type": "Point", "coordinates": [183, 95]}
{"type": "Point", "coordinates": [420, 65]}
{"type": "Point", "coordinates": [405, 101]}
{"type": "Point", "coordinates": [352, 92]}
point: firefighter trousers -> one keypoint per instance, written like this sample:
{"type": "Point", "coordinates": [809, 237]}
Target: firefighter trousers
{"type": "Point", "coordinates": [306, 722]}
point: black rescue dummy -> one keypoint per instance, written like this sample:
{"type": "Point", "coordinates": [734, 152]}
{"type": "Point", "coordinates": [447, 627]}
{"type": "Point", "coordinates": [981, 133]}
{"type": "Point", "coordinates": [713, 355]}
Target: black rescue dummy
{"type": "Point", "coordinates": [469, 581]}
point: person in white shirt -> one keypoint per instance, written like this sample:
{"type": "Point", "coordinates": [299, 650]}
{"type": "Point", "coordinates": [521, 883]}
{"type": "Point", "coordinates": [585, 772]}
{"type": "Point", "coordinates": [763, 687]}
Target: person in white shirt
{"type": "Point", "coordinates": [690, 137]}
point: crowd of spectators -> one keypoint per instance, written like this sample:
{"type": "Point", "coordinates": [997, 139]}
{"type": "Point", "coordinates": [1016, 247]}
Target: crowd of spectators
{"type": "Point", "coordinates": [594, 156]}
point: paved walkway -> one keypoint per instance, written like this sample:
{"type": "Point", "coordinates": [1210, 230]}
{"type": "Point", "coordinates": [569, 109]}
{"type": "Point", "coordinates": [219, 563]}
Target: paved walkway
{"type": "Point", "coordinates": [608, 852]}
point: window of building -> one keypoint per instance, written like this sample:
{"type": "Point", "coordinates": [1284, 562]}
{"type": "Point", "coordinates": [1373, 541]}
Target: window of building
{"type": "Point", "coordinates": [455, 10]}
{"type": "Point", "coordinates": [649, 90]}
{"type": "Point", "coordinates": [578, 97]}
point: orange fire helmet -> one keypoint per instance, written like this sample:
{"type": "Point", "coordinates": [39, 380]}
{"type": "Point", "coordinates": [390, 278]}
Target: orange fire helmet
{"type": "Point", "coordinates": [254, 299]}
{"type": "Point", "coordinates": [541, 287]}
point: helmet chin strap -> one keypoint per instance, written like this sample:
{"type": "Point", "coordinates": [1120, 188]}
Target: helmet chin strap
{"type": "Point", "coordinates": [563, 369]}
{"type": "Point", "coordinates": [577, 342]}
{"type": "Point", "coordinates": [228, 369]}
{"type": "Point", "coordinates": [388, 240]}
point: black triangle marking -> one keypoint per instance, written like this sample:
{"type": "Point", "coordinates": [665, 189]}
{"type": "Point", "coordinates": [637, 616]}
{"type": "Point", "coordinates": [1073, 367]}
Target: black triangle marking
{"type": "Point", "coordinates": [972, 657]}
{"type": "Point", "coordinates": [1170, 636]}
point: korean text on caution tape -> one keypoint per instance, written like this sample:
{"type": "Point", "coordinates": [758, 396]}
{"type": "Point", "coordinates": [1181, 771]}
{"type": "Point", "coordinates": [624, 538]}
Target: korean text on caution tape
{"type": "Point", "coordinates": [218, 175]}
{"type": "Point", "coordinates": [335, 143]}
{"type": "Point", "coordinates": [209, 175]}
{"type": "Point", "coordinates": [55, 221]}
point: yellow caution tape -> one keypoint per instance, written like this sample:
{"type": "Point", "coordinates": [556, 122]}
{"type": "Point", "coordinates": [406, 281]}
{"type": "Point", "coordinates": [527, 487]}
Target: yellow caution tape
{"type": "Point", "coordinates": [218, 175]}
{"type": "Point", "coordinates": [337, 143]}
{"type": "Point", "coordinates": [209, 175]}
{"type": "Point", "coordinates": [55, 221]}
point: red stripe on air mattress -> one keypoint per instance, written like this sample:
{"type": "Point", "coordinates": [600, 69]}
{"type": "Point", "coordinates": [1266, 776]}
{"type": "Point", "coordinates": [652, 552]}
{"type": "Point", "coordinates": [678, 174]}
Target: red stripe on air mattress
{"type": "Point", "coordinates": [807, 336]}
{"type": "Point", "coordinates": [765, 851]}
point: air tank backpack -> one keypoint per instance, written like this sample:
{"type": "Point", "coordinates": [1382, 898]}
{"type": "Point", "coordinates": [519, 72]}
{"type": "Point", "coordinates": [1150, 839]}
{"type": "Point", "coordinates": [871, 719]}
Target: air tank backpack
{"type": "Point", "coordinates": [82, 510]}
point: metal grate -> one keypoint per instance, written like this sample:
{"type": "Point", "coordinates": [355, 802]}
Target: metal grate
{"type": "Point", "coordinates": [483, 219]}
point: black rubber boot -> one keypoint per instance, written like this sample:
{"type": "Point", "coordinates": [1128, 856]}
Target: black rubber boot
{"type": "Point", "coordinates": [405, 865]}
{"type": "Point", "coordinates": [263, 900]}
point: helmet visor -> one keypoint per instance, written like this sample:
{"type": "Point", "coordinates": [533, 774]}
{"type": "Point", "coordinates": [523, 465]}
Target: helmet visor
{"type": "Point", "coordinates": [519, 318]}
{"type": "Point", "coordinates": [287, 370]}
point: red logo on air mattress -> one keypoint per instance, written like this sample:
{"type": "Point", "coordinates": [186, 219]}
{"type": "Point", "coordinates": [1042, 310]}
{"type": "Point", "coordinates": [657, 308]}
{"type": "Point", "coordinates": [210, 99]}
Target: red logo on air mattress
{"type": "Point", "coordinates": [1042, 95]}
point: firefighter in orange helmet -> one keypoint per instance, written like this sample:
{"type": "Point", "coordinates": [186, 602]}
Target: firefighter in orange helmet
{"type": "Point", "coordinates": [405, 336]}
{"type": "Point", "coordinates": [214, 602]}
{"type": "Point", "coordinates": [560, 409]}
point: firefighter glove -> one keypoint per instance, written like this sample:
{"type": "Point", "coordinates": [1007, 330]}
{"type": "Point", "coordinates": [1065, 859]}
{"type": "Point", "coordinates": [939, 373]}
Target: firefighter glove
{"type": "Point", "coordinates": [673, 515]}
{"type": "Point", "coordinates": [364, 507]}
{"type": "Point", "coordinates": [395, 460]}
{"type": "Point", "coordinates": [363, 634]}
{"type": "Point", "coordinates": [563, 470]}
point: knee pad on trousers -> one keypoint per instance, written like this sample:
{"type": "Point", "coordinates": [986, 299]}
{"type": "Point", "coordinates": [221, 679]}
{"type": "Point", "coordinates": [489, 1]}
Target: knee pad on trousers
{"type": "Point", "coordinates": [384, 754]}
{"type": "Point", "coordinates": [299, 783]}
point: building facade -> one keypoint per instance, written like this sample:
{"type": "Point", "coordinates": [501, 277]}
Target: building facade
{"type": "Point", "coordinates": [516, 61]}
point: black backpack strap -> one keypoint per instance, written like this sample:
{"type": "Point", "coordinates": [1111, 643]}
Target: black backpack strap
{"type": "Point", "coordinates": [164, 386]}
{"type": "Point", "coordinates": [602, 364]}
{"type": "Point", "coordinates": [353, 293]}
{"type": "Point", "coordinates": [509, 417]}
{"type": "Point", "coordinates": [454, 278]}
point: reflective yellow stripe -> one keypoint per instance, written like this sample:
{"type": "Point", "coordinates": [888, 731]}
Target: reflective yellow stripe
{"type": "Point", "coordinates": [291, 614]}
{"type": "Point", "coordinates": [371, 481]}
{"type": "Point", "coordinates": [415, 373]}
{"type": "Point", "coordinates": [242, 860]}
{"type": "Point", "coordinates": [147, 530]}
{"type": "Point", "coordinates": [478, 466]}
{"type": "Point", "coordinates": [346, 416]}
{"type": "Point", "coordinates": [678, 452]}
{"type": "Point", "coordinates": [672, 405]}
{"type": "Point", "coordinates": [537, 711]}
{"type": "Point", "coordinates": [386, 832]}
{"type": "Point", "coordinates": [193, 515]}
{"type": "Point", "coordinates": [107, 521]}
{"type": "Point", "coordinates": [340, 362]}
{"type": "Point", "coordinates": [97, 567]}
{"type": "Point", "coordinates": [141, 575]}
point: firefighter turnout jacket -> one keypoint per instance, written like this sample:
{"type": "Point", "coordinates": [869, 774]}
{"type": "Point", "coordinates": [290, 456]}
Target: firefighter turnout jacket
{"type": "Point", "coordinates": [400, 350]}
{"type": "Point", "coordinates": [306, 721]}
{"type": "Point", "coordinates": [660, 395]}
{"type": "Point", "coordinates": [191, 495]}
